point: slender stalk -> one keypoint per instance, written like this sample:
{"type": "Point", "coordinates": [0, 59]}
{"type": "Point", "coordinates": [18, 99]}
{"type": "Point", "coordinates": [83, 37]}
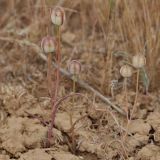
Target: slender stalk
{"type": "Point", "coordinates": [58, 59]}
{"type": "Point", "coordinates": [56, 87]}
{"type": "Point", "coordinates": [74, 86]}
{"type": "Point", "coordinates": [126, 95]}
{"type": "Point", "coordinates": [127, 108]}
{"type": "Point", "coordinates": [122, 144]}
{"type": "Point", "coordinates": [73, 100]}
{"type": "Point", "coordinates": [137, 87]}
{"type": "Point", "coordinates": [137, 92]}
{"type": "Point", "coordinates": [71, 113]}
{"type": "Point", "coordinates": [135, 102]}
{"type": "Point", "coordinates": [103, 79]}
{"type": "Point", "coordinates": [49, 73]}
{"type": "Point", "coordinates": [112, 92]}
{"type": "Point", "coordinates": [110, 71]}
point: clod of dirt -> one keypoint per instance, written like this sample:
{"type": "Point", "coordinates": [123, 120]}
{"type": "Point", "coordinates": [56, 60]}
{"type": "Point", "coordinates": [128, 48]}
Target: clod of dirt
{"type": "Point", "coordinates": [42, 154]}
{"type": "Point", "coordinates": [14, 97]}
{"type": "Point", "coordinates": [157, 135]}
{"type": "Point", "coordinates": [3, 116]}
{"type": "Point", "coordinates": [21, 133]}
{"type": "Point", "coordinates": [61, 155]}
{"type": "Point", "coordinates": [136, 141]}
{"type": "Point", "coordinates": [140, 131]}
{"type": "Point", "coordinates": [94, 113]}
{"type": "Point", "coordinates": [62, 121]}
{"type": "Point", "coordinates": [11, 136]}
{"type": "Point", "coordinates": [33, 133]}
{"type": "Point", "coordinates": [4, 157]}
{"type": "Point", "coordinates": [86, 141]}
{"type": "Point", "coordinates": [16, 100]}
{"type": "Point", "coordinates": [154, 120]}
{"type": "Point", "coordinates": [139, 126]}
{"type": "Point", "coordinates": [141, 113]}
{"type": "Point", "coordinates": [149, 152]}
{"type": "Point", "coordinates": [34, 110]}
{"type": "Point", "coordinates": [90, 142]}
{"type": "Point", "coordinates": [36, 154]}
{"type": "Point", "coordinates": [87, 144]}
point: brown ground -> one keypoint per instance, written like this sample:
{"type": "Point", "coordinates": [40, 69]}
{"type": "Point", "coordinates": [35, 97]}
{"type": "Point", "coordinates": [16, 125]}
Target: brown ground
{"type": "Point", "coordinates": [25, 105]}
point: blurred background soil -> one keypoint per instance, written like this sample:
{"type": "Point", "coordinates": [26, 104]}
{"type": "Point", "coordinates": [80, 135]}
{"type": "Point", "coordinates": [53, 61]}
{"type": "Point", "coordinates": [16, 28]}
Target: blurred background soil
{"type": "Point", "coordinates": [102, 35]}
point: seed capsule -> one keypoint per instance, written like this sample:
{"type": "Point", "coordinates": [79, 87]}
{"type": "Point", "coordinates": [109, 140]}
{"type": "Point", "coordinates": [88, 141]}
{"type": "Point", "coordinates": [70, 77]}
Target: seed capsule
{"type": "Point", "coordinates": [138, 61]}
{"type": "Point", "coordinates": [48, 44]}
{"type": "Point", "coordinates": [126, 71]}
{"type": "Point", "coordinates": [58, 16]}
{"type": "Point", "coordinates": [74, 67]}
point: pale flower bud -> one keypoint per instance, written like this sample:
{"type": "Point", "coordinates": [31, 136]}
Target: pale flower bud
{"type": "Point", "coordinates": [126, 71]}
{"type": "Point", "coordinates": [58, 16]}
{"type": "Point", "coordinates": [138, 61]}
{"type": "Point", "coordinates": [74, 67]}
{"type": "Point", "coordinates": [48, 44]}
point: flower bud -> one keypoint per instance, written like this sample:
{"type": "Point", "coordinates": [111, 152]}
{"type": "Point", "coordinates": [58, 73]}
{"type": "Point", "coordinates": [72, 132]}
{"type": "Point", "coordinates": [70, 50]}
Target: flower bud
{"type": "Point", "coordinates": [48, 44]}
{"type": "Point", "coordinates": [138, 61]}
{"type": "Point", "coordinates": [74, 67]}
{"type": "Point", "coordinates": [126, 71]}
{"type": "Point", "coordinates": [58, 16]}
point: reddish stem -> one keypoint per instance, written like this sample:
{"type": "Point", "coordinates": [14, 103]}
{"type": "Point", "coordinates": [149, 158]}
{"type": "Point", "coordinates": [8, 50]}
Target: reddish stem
{"type": "Point", "coordinates": [54, 109]}
{"type": "Point", "coordinates": [49, 74]}
{"type": "Point", "coordinates": [58, 59]}
{"type": "Point", "coordinates": [56, 88]}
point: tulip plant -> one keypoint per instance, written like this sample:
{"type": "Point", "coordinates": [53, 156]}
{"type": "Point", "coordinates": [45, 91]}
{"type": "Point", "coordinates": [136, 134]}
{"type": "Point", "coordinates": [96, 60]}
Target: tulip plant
{"type": "Point", "coordinates": [138, 62]}
{"type": "Point", "coordinates": [126, 72]}
{"type": "Point", "coordinates": [74, 68]}
{"type": "Point", "coordinates": [51, 45]}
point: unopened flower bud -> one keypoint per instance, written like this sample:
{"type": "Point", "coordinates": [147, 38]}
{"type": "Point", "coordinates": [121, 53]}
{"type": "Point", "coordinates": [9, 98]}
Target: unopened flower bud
{"type": "Point", "coordinates": [58, 16]}
{"type": "Point", "coordinates": [48, 44]}
{"type": "Point", "coordinates": [74, 67]}
{"type": "Point", "coordinates": [126, 71]}
{"type": "Point", "coordinates": [138, 61]}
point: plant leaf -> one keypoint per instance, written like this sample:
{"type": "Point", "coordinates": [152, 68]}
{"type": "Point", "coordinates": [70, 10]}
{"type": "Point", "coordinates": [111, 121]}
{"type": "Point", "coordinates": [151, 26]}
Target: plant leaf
{"type": "Point", "coordinates": [122, 54]}
{"type": "Point", "coordinates": [145, 79]}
